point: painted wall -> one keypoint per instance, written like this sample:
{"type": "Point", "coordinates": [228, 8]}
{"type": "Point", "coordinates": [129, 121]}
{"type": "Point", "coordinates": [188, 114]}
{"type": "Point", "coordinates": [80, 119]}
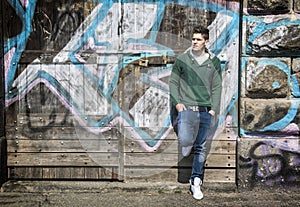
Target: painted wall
{"type": "Point", "coordinates": [87, 82]}
{"type": "Point", "coordinates": [92, 71]}
{"type": "Point", "coordinates": [269, 146]}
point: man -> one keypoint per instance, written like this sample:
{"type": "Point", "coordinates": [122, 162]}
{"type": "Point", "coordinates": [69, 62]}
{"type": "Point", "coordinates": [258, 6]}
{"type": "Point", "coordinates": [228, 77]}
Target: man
{"type": "Point", "coordinates": [195, 91]}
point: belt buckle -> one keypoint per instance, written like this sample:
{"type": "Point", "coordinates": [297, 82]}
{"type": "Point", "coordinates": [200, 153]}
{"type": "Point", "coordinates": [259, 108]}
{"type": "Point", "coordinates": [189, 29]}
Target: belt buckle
{"type": "Point", "coordinates": [195, 108]}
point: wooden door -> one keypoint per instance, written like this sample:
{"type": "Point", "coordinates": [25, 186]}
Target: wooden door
{"type": "Point", "coordinates": [87, 89]}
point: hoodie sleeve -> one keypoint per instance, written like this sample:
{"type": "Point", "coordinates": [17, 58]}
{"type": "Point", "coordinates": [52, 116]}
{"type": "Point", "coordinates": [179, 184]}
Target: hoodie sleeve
{"type": "Point", "coordinates": [216, 87]}
{"type": "Point", "coordinates": [174, 83]}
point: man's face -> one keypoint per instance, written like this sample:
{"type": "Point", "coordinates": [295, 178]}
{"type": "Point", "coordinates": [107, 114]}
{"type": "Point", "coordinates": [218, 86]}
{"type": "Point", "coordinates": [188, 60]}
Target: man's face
{"type": "Point", "coordinates": [198, 42]}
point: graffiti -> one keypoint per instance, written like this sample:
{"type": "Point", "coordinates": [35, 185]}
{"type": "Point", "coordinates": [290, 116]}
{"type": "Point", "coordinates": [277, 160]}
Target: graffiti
{"type": "Point", "coordinates": [269, 95]}
{"type": "Point", "coordinates": [295, 84]}
{"type": "Point", "coordinates": [262, 35]}
{"type": "Point", "coordinates": [277, 85]}
{"type": "Point", "coordinates": [95, 73]}
{"type": "Point", "coordinates": [101, 79]}
{"type": "Point", "coordinates": [41, 27]}
{"type": "Point", "coordinates": [51, 121]}
{"type": "Point", "coordinates": [101, 69]}
{"type": "Point", "coordinates": [273, 162]}
{"type": "Point", "coordinates": [14, 46]}
{"type": "Point", "coordinates": [68, 20]}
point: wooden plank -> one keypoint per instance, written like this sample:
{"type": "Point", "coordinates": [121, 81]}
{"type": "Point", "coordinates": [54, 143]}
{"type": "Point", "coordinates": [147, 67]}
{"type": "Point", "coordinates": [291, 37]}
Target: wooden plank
{"type": "Point", "coordinates": [172, 159]}
{"type": "Point", "coordinates": [171, 175]}
{"type": "Point", "coordinates": [91, 173]}
{"type": "Point", "coordinates": [63, 159]}
{"type": "Point", "coordinates": [45, 133]}
{"type": "Point", "coordinates": [171, 146]}
{"type": "Point", "coordinates": [151, 159]}
{"type": "Point", "coordinates": [62, 146]}
{"type": "Point", "coordinates": [153, 174]}
{"type": "Point", "coordinates": [77, 172]}
{"type": "Point", "coordinates": [212, 161]}
{"type": "Point", "coordinates": [48, 173]}
{"type": "Point", "coordinates": [55, 132]}
{"type": "Point", "coordinates": [90, 145]}
{"type": "Point", "coordinates": [111, 159]}
{"type": "Point", "coordinates": [52, 119]}
{"type": "Point", "coordinates": [220, 160]}
{"type": "Point", "coordinates": [61, 173]}
{"type": "Point", "coordinates": [131, 174]}
{"type": "Point", "coordinates": [220, 175]}
{"type": "Point", "coordinates": [100, 145]}
{"type": "Point", "coordinates": [221, 147]}
{"type": "Point", "coordinates": [89, 159]}
{"type": "Point", "coordinates": [30, 172]}
{"type": "Point", "coordinates": [227, 135]}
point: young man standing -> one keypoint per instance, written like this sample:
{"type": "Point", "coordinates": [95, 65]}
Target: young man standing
{"type": "Point", "coordinates": [195, 91]}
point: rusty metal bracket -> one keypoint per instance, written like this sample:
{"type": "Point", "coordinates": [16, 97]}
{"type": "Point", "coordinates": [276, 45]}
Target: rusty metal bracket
{"type": "Point", "coordinates": [143, 62]}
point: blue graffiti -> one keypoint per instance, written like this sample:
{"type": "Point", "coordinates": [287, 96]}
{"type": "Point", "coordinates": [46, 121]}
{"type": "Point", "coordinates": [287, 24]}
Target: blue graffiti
{"type": "Point", "coordinates": [292, 113]}
{"type": "Point", "coordinates": [278, 64]}
{"type": "Point", "coordinates": [225, 38]}
{"type": "Point", "coordinates": [19, 41]}
{"type": "Point", "coordinates": [295, 86]}
{"type": "Point", "coordinates": [263, 27]}
{"type": "Point", "coordinates": [279, 125]}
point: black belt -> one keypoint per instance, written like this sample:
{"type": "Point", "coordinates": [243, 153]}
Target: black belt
{"type": "Point", "coordinates": [199, 108]}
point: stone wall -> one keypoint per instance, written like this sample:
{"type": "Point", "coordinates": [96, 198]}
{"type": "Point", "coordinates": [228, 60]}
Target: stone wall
{"type": "Point", "coordinates": [269, 151]}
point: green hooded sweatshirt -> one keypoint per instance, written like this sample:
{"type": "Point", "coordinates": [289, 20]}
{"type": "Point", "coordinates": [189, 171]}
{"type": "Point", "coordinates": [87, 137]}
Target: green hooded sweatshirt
{"type": "Point", "coordinates": [196, 85]}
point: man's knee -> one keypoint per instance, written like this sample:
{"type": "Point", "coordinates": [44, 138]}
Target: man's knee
{"type": "Point", "coordinates": [186, 142]}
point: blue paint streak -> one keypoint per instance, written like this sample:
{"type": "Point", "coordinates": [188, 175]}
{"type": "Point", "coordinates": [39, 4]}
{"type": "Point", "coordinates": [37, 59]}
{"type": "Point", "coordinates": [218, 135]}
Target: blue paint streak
{"type": "Point", "coordinates": [263, 27]}
{"type": "Point", "coordinates": [226, 38]}
{"type": "Point", "coordinates": [230, 108]}
{"type": "Point", "coordinates": [281, 124]}
{"type": "Point", "coordinates": [160, 15]}
{"type": "Point", "coordinates": [295, 86]}
{"type": "Point", "coordinates": [244, 63]}
{"type": "Point", "coordinates": [19, 41]}
{"type": "Point", "coordinates": [62, 91]}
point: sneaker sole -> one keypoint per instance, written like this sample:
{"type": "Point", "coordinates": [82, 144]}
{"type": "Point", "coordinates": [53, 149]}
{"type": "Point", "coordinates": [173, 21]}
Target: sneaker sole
{"type": "Point", "coordinates": [200, 198]}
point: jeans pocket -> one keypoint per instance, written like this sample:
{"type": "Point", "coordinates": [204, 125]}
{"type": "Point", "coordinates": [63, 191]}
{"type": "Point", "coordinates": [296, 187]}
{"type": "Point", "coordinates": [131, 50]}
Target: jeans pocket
{"type": "Point", "coordinates": [212, 120]}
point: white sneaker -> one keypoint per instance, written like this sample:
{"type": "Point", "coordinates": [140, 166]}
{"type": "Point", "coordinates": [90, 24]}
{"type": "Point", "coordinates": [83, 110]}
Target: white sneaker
{"type": "Point", "coordinates": [186, 151]}
{"type": "Point", "coordinates": [196, 188]}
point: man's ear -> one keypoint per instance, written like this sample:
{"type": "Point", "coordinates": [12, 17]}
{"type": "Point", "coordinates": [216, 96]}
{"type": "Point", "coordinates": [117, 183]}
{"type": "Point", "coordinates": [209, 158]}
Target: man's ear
{"type": "Point", "coordinates": [206, 42]}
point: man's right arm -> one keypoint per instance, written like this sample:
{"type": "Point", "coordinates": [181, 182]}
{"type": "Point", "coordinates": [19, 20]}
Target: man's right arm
{"type": "Point", "coordinates": [174, 84]}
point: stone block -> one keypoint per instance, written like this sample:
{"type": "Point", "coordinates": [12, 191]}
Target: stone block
{"type": "Point", "coordinates": [275, 35]}
{"type": "Point", "coordinates": [263, 7]}
{"type": "Point", "coordinates": [296, 65]}
{"type": "Point", "coordinates": [262, 116]}
{"type": "Point", "coordinates": [296, 85]}
{"type": "Point", "coordinates": [268, 161]}
{"type": "Point", "coordinates": [296, 77]}
{"type": "Point", "coordinates": [297, 6]}
{"type": "Point", "coordinates": [266, 78]}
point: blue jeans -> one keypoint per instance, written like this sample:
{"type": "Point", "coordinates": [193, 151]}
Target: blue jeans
{"type": "Point", "coordinates": [193, 128]}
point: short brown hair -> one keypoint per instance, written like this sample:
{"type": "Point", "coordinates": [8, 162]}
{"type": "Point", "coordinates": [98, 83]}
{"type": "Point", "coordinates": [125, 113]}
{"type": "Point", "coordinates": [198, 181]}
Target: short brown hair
{"type": "Point", "coordinates": [202, 30]}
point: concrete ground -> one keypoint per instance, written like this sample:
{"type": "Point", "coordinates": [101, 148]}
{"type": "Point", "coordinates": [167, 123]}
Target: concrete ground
{"type": "Point", "coordinates": [140, 194]}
